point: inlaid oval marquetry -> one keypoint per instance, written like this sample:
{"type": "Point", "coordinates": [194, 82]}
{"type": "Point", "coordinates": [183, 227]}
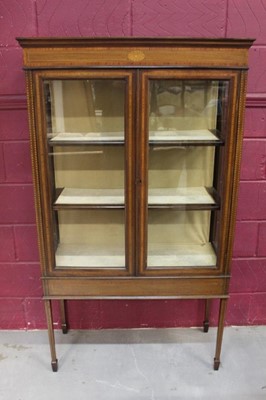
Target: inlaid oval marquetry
{"type": "Point", "coordinates": [136, 55]}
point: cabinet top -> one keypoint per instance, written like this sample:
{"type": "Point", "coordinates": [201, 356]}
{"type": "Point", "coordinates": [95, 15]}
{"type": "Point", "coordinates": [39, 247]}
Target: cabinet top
{"type": "Point", "coordinates": [132, 41]}
{"type": "Point", "coordinates": [70, 52]}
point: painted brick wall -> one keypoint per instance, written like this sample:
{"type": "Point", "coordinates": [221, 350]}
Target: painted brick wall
{"type": "Point", "coordinates": [20, 288]}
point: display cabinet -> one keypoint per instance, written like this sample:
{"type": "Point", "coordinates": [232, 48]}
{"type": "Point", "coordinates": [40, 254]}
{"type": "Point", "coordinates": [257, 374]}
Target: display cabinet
{"type": "Point", "coordinates": [135, 152]}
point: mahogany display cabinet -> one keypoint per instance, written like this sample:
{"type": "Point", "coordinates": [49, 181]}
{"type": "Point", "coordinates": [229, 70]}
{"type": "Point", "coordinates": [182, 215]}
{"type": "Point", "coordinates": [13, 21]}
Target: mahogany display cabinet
{"type": "Point", "coordinates": [136, 147]}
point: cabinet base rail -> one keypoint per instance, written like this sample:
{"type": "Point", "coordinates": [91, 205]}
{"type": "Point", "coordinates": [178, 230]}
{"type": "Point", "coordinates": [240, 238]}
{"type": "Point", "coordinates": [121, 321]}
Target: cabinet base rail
{"type": "Point", "coordinates": [64, 327]}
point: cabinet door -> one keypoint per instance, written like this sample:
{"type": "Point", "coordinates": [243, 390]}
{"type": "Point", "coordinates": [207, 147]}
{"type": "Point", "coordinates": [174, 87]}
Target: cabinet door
{"type": "Point", "coordinates": [87, 179]}
{"type": "Point", "coordinates": [187, 132]}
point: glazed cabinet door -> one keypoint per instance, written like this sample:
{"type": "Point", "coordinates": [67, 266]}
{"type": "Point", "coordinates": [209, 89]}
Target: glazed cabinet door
{"type": "Point", "coordinates": [86, 156]}
{"type": "Point", "coordinates": [187, 142]}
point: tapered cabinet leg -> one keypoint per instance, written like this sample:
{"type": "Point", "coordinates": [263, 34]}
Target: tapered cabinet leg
{"type": "Point", "coordinates": [223, 304]}
{"type": "Point", "coordinates": [206, 322]}
{"type": "Point", "coordinates": [49, 317]}
{"type": "Point", "coordinates": [63, 316]}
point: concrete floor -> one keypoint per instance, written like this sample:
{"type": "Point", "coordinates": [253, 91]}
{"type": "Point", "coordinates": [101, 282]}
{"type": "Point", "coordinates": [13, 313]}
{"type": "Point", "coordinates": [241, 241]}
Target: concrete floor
{"type": "Point", "coordinates": [155, 364]}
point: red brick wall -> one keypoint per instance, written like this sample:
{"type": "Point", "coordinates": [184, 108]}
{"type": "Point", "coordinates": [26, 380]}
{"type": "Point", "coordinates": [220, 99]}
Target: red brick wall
{"type": "Point", "coordinates": [20, 288]}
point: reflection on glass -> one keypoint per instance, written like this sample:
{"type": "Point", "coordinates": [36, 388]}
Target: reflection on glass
{"type": "Point", "coordinates": [85, 119]}
{"type": "Point", "coordinates": [186, 125]}
{"type": "Point", "coordinates": [186, 110]}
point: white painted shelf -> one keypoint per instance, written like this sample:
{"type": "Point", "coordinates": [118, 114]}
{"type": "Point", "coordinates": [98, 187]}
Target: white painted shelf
{"type": "Point", "coordinates": [160, 135]}
{"type": "Point", "coordinates": [84, 256]}
{"type": "Point", "coordinates": [193, 135]}
{"type": "Point", "coordinates": [160, 196]}
{"type": "Point", "coordinates": [86, 137]}
{"type": "Point", "coordinates": [187, 195]}
{"type": "Point", "coordinates": [190, 255]}
{"type": "Point", "coordinates": [159, 255]}
{"type": "Point", "coordinates": [72, 196]}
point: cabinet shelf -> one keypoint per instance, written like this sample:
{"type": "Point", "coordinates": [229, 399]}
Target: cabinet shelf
{"type": "Point", "coordinates": [160, 255]}
{"type": "Point", "coordinates": [189, 198]}
{"type": "Point", "coordinates": [80, 138]}
{"type": "Point", "coordinates": [90, 198]}
{"type": "Point", "coordinates": [186, 255]}
{"type": "Point", "coordinates": [185, 137]}
{"type": "Point", "coordinates": [84, 256]}
{"type": "Point", "coordinates": [184, 198]}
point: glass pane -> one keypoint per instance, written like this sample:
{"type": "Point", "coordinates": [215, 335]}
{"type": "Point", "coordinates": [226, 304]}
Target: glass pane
{"type": "Point", "coordinates": [91, 239]}
{"type": "Point", "coordinates": [186, 137]}
{"type": "Point", "coordinates": [180, 239]}
{"type": "Point", "coordinates": [88, 174]}
{"type": "Point", "coordinates": [85, 110]}
{"type": "Point", "coordinates": [85, 133]}
{"type": "Point", "coordinates": [186, 110]}
{"type": "Point", "coordinates": [180, 174]}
